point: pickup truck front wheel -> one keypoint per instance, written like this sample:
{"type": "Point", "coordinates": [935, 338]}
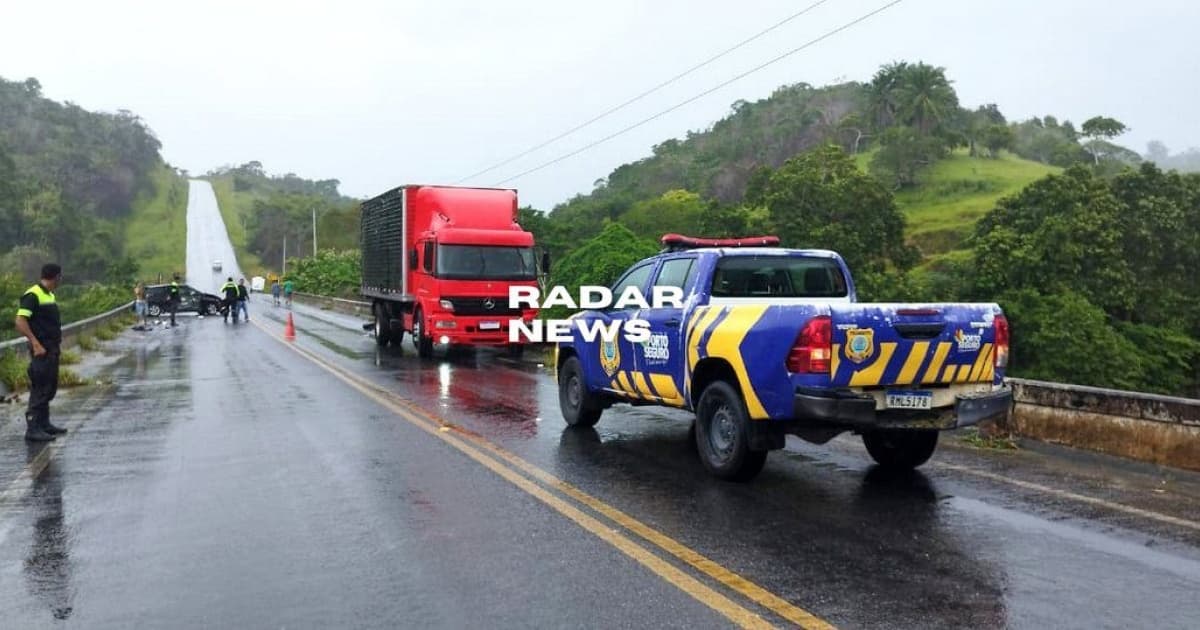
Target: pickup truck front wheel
{"type": "Point", "coordinates": [723, 434]}
{"type": "Point", "coordinates": [580, 408]}
{"type": "Point", "coordinates": [897, 448]}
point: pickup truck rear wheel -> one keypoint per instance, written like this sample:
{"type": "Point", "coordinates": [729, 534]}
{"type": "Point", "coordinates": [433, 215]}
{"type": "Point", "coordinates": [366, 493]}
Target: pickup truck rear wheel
{"type": "Point", "coordinates": [580, 408]}
{"type": "Point", "coordinates": [722, 434]}
{"type": "Point", "coordinates": [903, 449]}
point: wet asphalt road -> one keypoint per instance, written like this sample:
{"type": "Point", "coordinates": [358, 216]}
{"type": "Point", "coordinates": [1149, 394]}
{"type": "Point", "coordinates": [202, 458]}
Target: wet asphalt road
{"type": "Point", "coordinates": [217, 478]}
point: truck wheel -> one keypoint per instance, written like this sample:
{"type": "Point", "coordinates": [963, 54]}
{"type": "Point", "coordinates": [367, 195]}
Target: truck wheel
{"type": "Point", "coordinates": [580, 408]}
{"type": "Point", "coordinates": [383, 329]}
{"type": "Point", "coordinates": [897, 448]}
{"type": "Point", "coordinates": [722, 434]}
{"type": "Point", "coordinates": [423, 344]}
{"type": "Point", "coordinates": [154, 310]}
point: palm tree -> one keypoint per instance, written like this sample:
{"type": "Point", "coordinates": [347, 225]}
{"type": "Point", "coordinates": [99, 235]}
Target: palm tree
{"type": "Point", "coordinates": [882, 93]}
{"type": "Point", "coordinates": [925, 98]}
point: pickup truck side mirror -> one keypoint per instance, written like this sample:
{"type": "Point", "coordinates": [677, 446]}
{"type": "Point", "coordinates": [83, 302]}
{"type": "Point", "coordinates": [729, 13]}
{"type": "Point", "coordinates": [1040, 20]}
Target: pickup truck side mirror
{"type": "Point", "coordinates": [412, 259]}
{"type": "Point", "coordinates": [546, 262]}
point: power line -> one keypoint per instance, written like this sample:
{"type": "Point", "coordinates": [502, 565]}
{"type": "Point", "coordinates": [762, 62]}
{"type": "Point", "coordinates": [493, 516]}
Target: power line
{"type": "Point", "coordinates": [774, 60]}
{"type": "Point", "coordinates": [616, 108]}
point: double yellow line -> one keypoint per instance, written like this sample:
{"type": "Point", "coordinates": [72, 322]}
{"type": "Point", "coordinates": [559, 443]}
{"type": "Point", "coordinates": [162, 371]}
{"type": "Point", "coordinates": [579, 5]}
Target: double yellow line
{"type": "Point", "coordinates": [543, 486]}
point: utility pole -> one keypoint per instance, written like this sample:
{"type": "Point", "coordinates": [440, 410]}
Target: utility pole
{"type": "Point", "coordinates": [284, 265]}
{"type": "Point", "coordinates": [314, 211]}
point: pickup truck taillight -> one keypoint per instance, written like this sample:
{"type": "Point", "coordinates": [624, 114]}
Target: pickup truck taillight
{"type": "Point", "coordinates": [1000, 326]}
{"type": "Point", "coordinates": [811, 352]}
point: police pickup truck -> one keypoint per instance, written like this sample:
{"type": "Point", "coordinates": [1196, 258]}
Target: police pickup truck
{"type": "Point", "coordinates": [772, 341]}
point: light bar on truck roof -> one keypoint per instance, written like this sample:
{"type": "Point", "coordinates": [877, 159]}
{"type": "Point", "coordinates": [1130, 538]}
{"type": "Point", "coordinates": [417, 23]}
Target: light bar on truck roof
{"type": "Point", "coordinates": [679, 242]}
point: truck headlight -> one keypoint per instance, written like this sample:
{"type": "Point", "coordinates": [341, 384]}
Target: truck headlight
{"type": "Point", "coordinates": [446, 305]}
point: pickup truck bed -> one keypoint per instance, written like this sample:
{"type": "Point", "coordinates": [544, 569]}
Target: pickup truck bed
{"type": "Point", "coordinates": [771, 342]}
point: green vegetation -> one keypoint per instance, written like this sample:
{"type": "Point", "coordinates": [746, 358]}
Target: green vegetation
{"type": "Point", "coordinates": [260, 210]}
{"type": "Point", "coordinates": [70, 357]}
{"type": "Point", "coordinates": [156, 233]}
{"type": "Point", "coordinates": [600, 260]}
{"type": "Point", "coordinates": [69, 180]}
{"type": "Point", "coordinates": [979, 439]}
{"type": "Point", "coordinates": [235, 210]}
{"type": "Point", "coordinates": [334, 273]}
{"type": "Point", "coordinates": [15, 378]}
{"type": "Point", "coordinates": [959, 190]}
{"type": "Point", "coordinates": [89, 343]}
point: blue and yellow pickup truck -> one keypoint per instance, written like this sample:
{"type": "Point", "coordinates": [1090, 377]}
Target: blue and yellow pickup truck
{"type": "Point", "coordinates": [772, 341]}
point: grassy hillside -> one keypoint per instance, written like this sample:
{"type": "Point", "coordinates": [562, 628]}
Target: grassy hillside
{"type": "Point", "coordinates": [236, 207]}
{"type": "Point", "coordinates": [156, 232]}
{"type": "Point", "coordinates": [955, 192]}
{"type": "Point", "coordinates": [959, 190]}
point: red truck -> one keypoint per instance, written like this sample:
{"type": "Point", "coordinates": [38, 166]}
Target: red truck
{"type": "Point", "coordinates": [437, 262]}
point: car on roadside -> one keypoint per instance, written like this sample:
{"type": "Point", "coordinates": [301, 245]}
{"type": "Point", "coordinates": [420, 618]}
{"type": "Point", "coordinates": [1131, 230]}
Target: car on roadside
{"type": "Point", "coordinates": [190, 301]}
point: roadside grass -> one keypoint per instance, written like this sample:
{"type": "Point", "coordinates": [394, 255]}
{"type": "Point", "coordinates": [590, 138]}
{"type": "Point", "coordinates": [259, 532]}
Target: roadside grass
{"type": "Point", "coordinates": [88, 342]}
{"type": "Point", "coordinates": [236, 208]}
{"type": "Point", "coordinates": [13, 375]}
{"type": "Point", "coordinates": [70, 357]}
{"type": "Point", "coordinates": [989, 439]}
{"type": "Point", "coordinates": [105, 333]}
{"type": "Point", "coordinates": [12, 371]}
{"type": "Point", "coordinates": [156, 231]}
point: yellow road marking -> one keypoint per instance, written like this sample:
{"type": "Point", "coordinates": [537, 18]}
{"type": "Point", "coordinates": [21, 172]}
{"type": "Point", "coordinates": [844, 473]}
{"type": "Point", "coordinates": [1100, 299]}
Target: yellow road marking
{"type": "Point", "coordinates": [469, 444]}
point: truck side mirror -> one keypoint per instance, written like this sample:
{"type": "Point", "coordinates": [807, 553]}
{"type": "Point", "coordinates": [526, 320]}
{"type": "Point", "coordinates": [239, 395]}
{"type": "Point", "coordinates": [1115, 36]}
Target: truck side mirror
{"type": "Point", "coordinates": [412, 259]}
{"type": "Point", "coordinates": [546, 262]}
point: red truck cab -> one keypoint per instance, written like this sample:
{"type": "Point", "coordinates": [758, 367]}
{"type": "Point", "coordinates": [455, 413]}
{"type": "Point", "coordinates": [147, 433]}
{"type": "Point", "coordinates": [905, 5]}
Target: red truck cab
{"type": "Point", "coordinates": [438, 262]}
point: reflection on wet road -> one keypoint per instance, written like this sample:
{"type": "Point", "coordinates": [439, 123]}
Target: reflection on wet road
{"type": "Point", "coordinates": [223, 480]}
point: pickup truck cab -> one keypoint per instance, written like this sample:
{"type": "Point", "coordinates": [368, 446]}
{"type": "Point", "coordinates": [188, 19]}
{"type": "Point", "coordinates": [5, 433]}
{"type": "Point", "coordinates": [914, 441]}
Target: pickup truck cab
{"type": "Point", "coordinates": [772, 341]}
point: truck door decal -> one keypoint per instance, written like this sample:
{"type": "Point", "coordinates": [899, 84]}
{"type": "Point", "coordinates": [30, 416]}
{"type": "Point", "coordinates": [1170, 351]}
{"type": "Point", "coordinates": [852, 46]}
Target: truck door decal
{"type": "Point", "coordinates": [724, 339]}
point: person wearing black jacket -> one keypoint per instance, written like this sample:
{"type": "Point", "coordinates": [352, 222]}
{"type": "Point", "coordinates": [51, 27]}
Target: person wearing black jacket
{"type": "Point", "coordinates": [243, 296]}
{"type": "Point", "coordinates": [38, 320]}
{"type": "Point", "coordinates": [173, 298]}
{"type": "Point", "coordinates": [229, 291]}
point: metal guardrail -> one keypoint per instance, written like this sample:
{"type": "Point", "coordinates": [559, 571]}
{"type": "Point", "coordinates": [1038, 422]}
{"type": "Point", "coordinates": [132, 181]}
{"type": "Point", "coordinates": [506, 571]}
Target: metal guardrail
{"type": "Point", "coordinates": [351, 307]}
{"type": "Point", "coordinates": [71, 331]}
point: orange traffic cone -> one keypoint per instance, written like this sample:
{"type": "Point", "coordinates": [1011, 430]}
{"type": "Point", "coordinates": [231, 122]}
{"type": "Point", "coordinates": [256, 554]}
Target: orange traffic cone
{"type": "Point", "coordinates": [289, 330]}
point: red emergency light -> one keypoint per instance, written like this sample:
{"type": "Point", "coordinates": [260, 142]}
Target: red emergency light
{"type": "Point", "coordinates": [679, 242]}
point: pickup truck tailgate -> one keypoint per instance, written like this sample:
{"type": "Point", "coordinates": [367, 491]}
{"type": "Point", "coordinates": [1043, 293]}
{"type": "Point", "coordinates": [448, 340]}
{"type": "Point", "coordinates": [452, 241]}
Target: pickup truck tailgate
{"type": "Point", "coordinates": [880, 345]}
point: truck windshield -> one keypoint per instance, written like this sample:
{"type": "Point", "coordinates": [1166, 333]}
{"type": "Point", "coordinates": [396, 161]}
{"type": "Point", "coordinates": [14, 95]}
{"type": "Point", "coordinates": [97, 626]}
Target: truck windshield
{"type": "Point", "coordinates": [778, 277]}
{"type": "Point", "coordinates": [485, 262]}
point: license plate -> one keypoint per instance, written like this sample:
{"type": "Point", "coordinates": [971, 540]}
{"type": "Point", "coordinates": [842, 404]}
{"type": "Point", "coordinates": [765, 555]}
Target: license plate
{"type": "Point", "coordinates": [909, 400]}
{"type": "Point", "coordinates": [489, 325]}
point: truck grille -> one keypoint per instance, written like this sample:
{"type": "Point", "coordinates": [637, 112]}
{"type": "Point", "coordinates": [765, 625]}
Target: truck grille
{"type": "Point", "coordinates": [478, 306]}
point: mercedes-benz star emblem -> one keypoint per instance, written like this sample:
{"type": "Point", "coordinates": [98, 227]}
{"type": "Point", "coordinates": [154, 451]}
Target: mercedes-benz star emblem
{"type": "Point", "coordinates": [489, 303]}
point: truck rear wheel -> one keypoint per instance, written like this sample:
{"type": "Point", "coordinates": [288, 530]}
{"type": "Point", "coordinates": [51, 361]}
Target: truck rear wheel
{"type": "Point", "coordinates": [580, 408]}
{"type": "Point", "coordinates": [901, 449]}
{"type": "Point", "coordinates": [383, 328]}
{"type": "Point", "coordinates": [422, 342]}
{"type": "Point", "coordinates": [723, 434]}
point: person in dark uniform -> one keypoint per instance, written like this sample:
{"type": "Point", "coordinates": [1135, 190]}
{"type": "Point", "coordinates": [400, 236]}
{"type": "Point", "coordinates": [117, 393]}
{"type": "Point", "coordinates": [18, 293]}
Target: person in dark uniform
{"type": "Point", "coordinates": [242, 299]}
{"type": "Point", "coordinates": [38, 320]}
{"type": "Point", "coordinates": [173, 298]}
{"type": "Point", "coordinates": [229, 291]}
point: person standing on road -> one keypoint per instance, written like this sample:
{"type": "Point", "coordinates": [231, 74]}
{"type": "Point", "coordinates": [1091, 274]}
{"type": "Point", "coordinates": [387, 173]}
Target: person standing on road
{"type": "Point", "coordinates": [288, 289]}
{"type": "Point", "coordinates": [243, 296]}
{"type": "Point", "coordinates": [173, 298]}
{"type": "Point", "coordinates": [275, 289]}
{"type": "Point", "coordinates": [38, 321]}
{"type": "Point", "coordinates": [229, 292]}
{"type": "Point", "coordinates": [139, 303]}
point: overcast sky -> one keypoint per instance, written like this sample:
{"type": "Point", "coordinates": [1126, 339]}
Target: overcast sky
{"type": "Point", "coordinates": [378, 92]}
